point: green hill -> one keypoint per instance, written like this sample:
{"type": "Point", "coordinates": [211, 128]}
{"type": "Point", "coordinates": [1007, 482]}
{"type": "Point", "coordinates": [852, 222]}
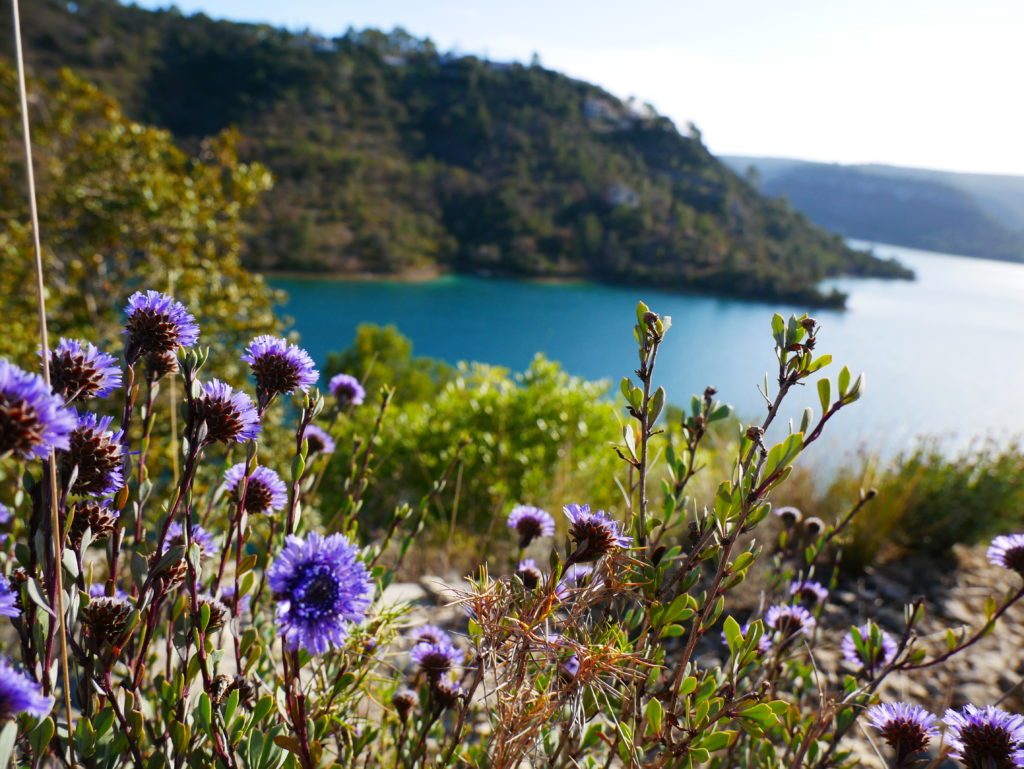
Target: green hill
{"type": "Point", "coordinates": [391, 157]}
{"type": "Point", "coordinates": [970, 214]}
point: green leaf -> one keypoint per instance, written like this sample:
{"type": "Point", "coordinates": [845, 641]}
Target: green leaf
{"type": "Point", "coordinates": [641, 310]}
{"type": "Point", "coordinates": [688, 686]}
{"type": "Point", "coordinates": [655, 716]}
{"type": "Point", "coordinates": [7, 738]}
{"type": "Point", "coordinates": [844, 380]}
{"type": "Point", "coordinates": [204, 712]}
{"type": "Point", "coordinates": [733, 636]}
{"type": "Point", "coordinates": [717, 741]}
{"type": "Point", "coordinates": [657, 404]}
{"type": "Point", "coordinates": [825, 394]}
{"type": "Point", "coordinates": [40, 737]}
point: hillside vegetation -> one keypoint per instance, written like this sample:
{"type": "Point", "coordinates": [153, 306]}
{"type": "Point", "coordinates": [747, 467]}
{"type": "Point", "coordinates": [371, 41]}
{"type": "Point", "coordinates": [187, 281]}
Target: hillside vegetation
{"type": "Point", "coordinates": [970, 214]}
{"type": "Point", "coordinates": [391, 157]}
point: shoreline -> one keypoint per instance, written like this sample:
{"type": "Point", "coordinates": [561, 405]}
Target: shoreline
{"type": "Point", "coordinates": [427, 275]}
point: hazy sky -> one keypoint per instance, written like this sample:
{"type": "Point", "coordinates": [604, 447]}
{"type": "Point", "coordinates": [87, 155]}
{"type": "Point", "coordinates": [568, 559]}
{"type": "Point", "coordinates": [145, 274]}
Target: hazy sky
{"type": "Point", "coordinates": [931, 83]}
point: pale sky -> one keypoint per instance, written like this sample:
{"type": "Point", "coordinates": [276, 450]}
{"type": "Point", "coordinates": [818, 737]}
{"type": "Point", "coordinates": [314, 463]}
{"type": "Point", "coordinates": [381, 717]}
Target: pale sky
{"type": "Point", "coordinates": [929, 83]}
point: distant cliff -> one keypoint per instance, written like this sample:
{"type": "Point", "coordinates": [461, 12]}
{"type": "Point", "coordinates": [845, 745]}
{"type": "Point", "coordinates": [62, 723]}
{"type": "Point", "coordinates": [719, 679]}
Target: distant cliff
{"type": "Point", "coordinates": [970, 214]}
{"type": "Point", "coordinates": [392, 157]}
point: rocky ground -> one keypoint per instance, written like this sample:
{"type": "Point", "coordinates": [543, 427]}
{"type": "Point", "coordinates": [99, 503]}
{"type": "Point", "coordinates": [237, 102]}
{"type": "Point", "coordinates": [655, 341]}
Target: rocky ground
{"type": "Point", "coordinates": [955, 591]}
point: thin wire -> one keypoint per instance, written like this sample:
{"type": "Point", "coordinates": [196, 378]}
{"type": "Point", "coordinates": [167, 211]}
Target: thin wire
{"type": "Point", "coordinates": [58, 539]}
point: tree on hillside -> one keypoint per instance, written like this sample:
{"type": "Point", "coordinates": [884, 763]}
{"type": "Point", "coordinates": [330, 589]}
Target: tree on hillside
{"type": "Point", "coordinates": [123, 209]}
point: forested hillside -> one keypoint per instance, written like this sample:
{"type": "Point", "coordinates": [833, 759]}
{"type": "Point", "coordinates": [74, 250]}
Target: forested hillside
{"type": "Point", "coordinates": [392, 157]}
{"type": "Point", "coordinates": [970, 214]}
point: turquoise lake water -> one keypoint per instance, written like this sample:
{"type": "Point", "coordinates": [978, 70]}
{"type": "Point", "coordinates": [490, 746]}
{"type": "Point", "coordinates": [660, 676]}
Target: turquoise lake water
{"type": "Point", "coordinates": [943, 355]}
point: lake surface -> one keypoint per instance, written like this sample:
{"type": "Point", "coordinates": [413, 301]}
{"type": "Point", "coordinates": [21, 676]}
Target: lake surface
{"type": "Point", "coordinates": [943, 355]}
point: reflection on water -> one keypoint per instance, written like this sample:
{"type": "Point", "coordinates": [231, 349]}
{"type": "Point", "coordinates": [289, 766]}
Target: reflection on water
{"type": "Point", "coordinates": [943, 354]}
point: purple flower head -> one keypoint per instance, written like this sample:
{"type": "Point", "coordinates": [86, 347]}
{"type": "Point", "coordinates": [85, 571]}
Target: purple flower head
{"type": "Point", "coordinates": [5, 514]}
{"type": "Point", "coordinates": [446, 691]}
{"type": "Point", "coordinates": [20, 694]}
{"type": "Point", "coordinates": [874, 656]}
{"type": "Point", "coordinates": [321, 586]}
{"type": "Point", "coordinates": [556, 644]}
{"type": "Point", "coordinates": [227, 597]}
{"type": "Point", "coordinates": [783, 625]}
{"type": "Point", "coordinates": [99, 590]}
{"type": "Point", "coordinates": [160, 365]}
{"type": "Point", "coordinates": [280, 368]}
{"type": "Point", "coordinates": [318, 440]}
{"type": "Point", "coordinates": [908, 729]}
{"type": "Point", "coordinates": [531, 523]}
{"type": "Point", "coordinates": [789, 516]}
{"type": "Point", "coordinates": [570, 667]}
{"type": "Point", "coordinates": [573, 578]}
{"type": "Point", "coordinates": [95, 516]}
{"type": "Point", "coordinates": [95, 457]}
{"type": "Point", "coordinates": [265, 492]}
{"type": "Point", "coordinates": [404, 700]}
{"type": "Point", "coordinates": [436, 659]}
{"type": "Point", "coordinates": [176, 536]}
{"type": "Point", "coordinates": [813, 526]}
{"type": "Point", "coordinates": [985, 738]}
{"type": "Point", "coordinates": [79, 371]}
{"type": "Point", "coordinates": [430, 634]}
{"type": "Point", "coordinates": [228, 415]}
{"type": "Point", "coordinates": [8, 599]}
{"type": "Point", "coordinates": [347, 390]}
{"type": "Point", "coordinates": [156, 324]}
{"type": "Point", "coordinates": [1008, 551]}
{"type": "Point", "coordinates": [809, 593]}
{"type": "Point", "coordinates": [529, 574]}
{"type": "Point", "coordinates": [594, 534]}
{"type": "Point", "coordinates": [32, 419]}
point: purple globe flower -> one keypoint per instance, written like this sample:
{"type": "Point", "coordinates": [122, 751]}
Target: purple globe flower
{"type": "Point", "coordinates": [985, 738]}
{"type": "Point", "coordinates": [5, 518]}
{"type": "Point", "coordinates": [79, 371]}
{"type": "Point", "coordinates": [1008, 551]}
{"type": "Point", "coordinates": [156, 324]}
{"type": "Point", "coordinates": [783, 625]}
{"type": "Point", "coordinates": [95, 516]}
{"type": "Point", "coordinates": [573, 578]}
{"type": "Point", "coordinates": [347, 390]}
{"type": "Point", "coordinates": [594, 534]}
{"type": "Point", "coordinates": [265, 492]}
{"type": "Point", "coordinates": [446, 691]}
{"type": "Point", "coordinates": [529, 573]}
{"type": "Point", "coordinates": [570, 667]}
{"type": "Point", "coordinates": [321, 586]}
{"type": "Point", "coordinates": [99, 590]}
{"type": "Point", "coordinates": [318, 440]}
{"type": "Point", "coordinates": [429, 634]}
{"type": "Point", "coordinates": [228, 415]}
{"type": "Point", "coordinates": [790, 516]}
{"type": "Point", "coordinates": [809, 593]}
{"type": "Point", "coordinates": [8, 599]}
{"type": "Point", "coordinates": [531, 523]}
{"type": "Point", "coordinates": [907, 729]}
{"type": "Point", "coordinates": [436, 659]}
{"type": "Point", "coordinates": [176, 536]}
{"type": "Point", "coordinates": [32, 419]}
{"type": "Point", "coordinates": [404, 700]}
{"type": "Point", "coordinates": [95, 456]}
{"type": "Point", "coordinates": [227, 597]}
{"type": "Point", "coordinates": [280, 368]}
{"type": "Point", "coordinates": [20, 694]}
{"type": "Point", "coordinates": [873, 658]}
